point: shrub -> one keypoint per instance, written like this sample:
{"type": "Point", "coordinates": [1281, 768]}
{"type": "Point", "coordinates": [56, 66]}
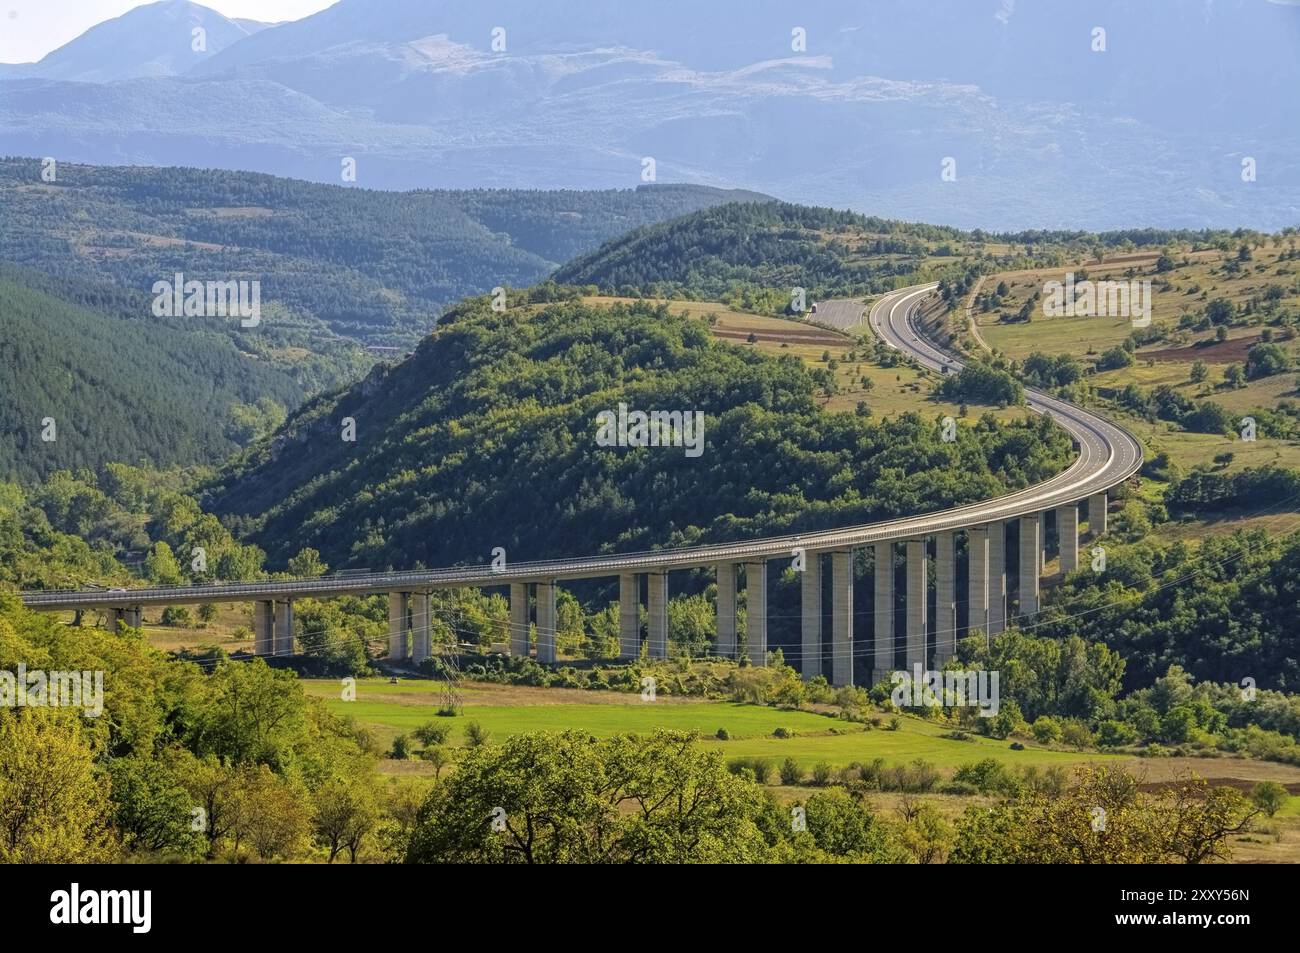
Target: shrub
{"type": "Point", "coordinates": [401, 748]}
{"type": "Point", "coordinates": [1268, 796]}
{"type": "Point", "coordinates": [760, 769]}
{"type": "Point", "coordinates": [476, 736]}
{"type": "Point", "coordinates": [821, 774]}
{"type": "Point", "coordinates": [1047, 730]}
{"type": "Point", "coordinates": [791, 773]}
{"type": "Point", "coordinates": [723, 735]}
{"type": "Point", "coordinates": [431, 734]}
{"type": "Point", "coordinates": [782, 732]}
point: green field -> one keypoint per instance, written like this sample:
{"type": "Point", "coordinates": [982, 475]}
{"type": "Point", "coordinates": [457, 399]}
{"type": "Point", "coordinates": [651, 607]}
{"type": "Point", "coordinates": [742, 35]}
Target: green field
{"type": "Point", "coordinates": [392, 709]}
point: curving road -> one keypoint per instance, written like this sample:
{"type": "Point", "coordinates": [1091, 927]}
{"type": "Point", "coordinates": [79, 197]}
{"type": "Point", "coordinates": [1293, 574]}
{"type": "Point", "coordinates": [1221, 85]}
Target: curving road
{"type": "Point", "coordinates": [1108, 455]}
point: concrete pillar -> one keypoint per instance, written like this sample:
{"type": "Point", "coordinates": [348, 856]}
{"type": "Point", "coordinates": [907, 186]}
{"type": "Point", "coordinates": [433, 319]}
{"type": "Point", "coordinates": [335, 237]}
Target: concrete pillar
{"type": "Point", "coordinates": [657, 614]}
{"type": "Point", "coordinates": [519, 619]}
{"type": "Point", "coordinates": [264, 628]}
{"type": "Point", "coordinates": [1042, 542]}
{"type": "Point", "coordinates": [421, 627]}
{"type": "Point", "coordinates": [546, 622]}
{"type": "Point", "coordinates": [133, 616]}
{"type": "Point", "coordinates": [1067, 531]}
{"type": "Point", "coordinates": [945, 598]}
{"type": "Point", "coordinates": [629, 616]}
{"type": "Point", "coordinates": [883, 657]}
{"type": "Point", "coordinates": [977, 552]}
{"type": "Point", "coordinates": [756, 612]}
{"type": "Point", "coordinates": [398, 606]}
{"type": "Point", "coordinates": [1030, 545]}
{"type": "Point", "coordinates": [284, 627]}
{"type": "Point", "coordinates": [1097, 515]}
{"type": "Point", "coordinates": [916, 604]}
{"type": "Point", "coordinates": [810, 612]}
{"type": "Point", "coordinates": [842, 618]}
{"type": "Point", "coordinates": [113, 619]}
{"type": "Point", "coordinates": [726, 610]}
{"type": "Point", "coordinates": [997, 578]}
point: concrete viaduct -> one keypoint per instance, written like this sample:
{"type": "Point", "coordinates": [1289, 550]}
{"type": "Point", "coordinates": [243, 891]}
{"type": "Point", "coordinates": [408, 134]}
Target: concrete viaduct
{"type": "Point", "coordinates": [1107, 456]}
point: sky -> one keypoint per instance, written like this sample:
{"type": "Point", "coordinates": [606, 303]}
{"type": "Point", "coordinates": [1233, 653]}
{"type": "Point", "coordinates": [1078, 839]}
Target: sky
{"type": "Point", "coordinates": [31, 28]}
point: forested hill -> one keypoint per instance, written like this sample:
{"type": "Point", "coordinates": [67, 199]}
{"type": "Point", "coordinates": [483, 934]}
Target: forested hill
{"type": "Point", "coordinates": [375, 266]}
{"type": "Point", "coordinates": [486, 436]}
{"type": "Point", "coordinates": [121, 385]}
{"type": "Point", "coordinates": [772, 244]}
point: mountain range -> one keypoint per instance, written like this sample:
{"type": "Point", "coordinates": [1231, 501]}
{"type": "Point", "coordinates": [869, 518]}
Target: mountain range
{"type": "Point", "coordinates": [840, 104]}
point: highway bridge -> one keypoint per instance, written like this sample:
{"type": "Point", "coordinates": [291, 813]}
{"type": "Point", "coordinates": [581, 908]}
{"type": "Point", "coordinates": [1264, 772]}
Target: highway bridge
{"type": "Point", "coordinates": [1107, 456]}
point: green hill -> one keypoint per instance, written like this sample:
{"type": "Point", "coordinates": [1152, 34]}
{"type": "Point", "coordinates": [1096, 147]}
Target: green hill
{"type": "Point", "coordinates": [773, 245]}
{"type": "Point", "coordinates": [486, 436]}
{"type": "Point", "coordinates": [374, 266]}
{"type": "Point", "coordinates": [122, 385]}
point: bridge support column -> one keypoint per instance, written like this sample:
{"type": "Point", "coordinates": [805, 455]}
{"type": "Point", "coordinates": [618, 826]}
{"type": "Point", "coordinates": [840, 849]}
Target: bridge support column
{"type": "Point", "coordinates": [756, 612]}
{"type": "Point", "coordinates": [546, 622]}
{"type": "Point", "coordinates": [629, 616]}
{"type": "Point", "coordinates": [916, 604]}
{"type": "Point", "coordinates": [398, 612]}
{"type": "Point", "coordinates": [113, 619]}
{"type": "Point", "coordinates": [1097, 515]}
{"type": "Point", "coordinates": [1067, 531]}
{"type": "Point", "coordinates": [519, 619]}
{"type": "Point", "coordinates": [810, 612]}
{"type": "Point", "coordinates": [284, 627]}
{"type": "Point", "coordinates": [726, 610]}
{"type": "Point", "coordinates": [997, 578]}
{"type": "Point", "coordinates": [842, 617]}
{"type": "Point", "coordinates": [1030, 546]}
{"type": "Point", "coordinates": [977, 574]}
{"type": "Point", "coordinates": [421, 627]}
{"type": "Point", "coordinates": [264, 628]}
{"type": "Point", "coordinates": [945, 598]}
{"type": "Point", "coordinates": [883, 655]}
{"type": "Point", "coordinates": [133, 616]}
{"type": "Point", "coordinates": [657, 613]}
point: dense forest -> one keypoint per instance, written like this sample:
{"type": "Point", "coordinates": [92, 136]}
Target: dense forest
{"type": "Point", "coordinates": [88, 378]}
{"type": "Point", "coordinates": [486, 436]}
{"type": "Point", "coordinates": [374, 266]}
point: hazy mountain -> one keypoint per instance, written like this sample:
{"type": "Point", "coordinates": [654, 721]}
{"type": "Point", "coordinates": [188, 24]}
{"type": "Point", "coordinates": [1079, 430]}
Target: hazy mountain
{"type": "Point", "coordinates": [1044, 131]}
{"type": "Point", "coordinates": [153, 40]}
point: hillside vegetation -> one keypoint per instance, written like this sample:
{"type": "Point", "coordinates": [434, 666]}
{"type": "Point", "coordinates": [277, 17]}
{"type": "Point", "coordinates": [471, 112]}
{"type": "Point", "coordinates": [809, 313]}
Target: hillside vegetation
{"type": "Point", "coordinates": [120, 385]}
{"type": "Point", "coordinates": [485, 437]}
{"type": "Point", "coordinates": [374, 266]}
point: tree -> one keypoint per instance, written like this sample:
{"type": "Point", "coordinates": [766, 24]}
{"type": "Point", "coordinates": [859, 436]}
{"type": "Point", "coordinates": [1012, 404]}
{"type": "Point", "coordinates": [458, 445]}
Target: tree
{"type": "Point", "coordinates": [572, 798]}
{"type": "Point", "coordinates": [307, 564]}
{"type": "Point", "coordinates": [1197, 820]}
{"type": "Point", "coordinates": [161, 566]}
{"type": "Point", "coordinates": [1265, 360]}
{"type": "Point", "coordinates": [1199, 372]}
{"type": "Point", "coordinates": [269, 814]}
{"type": "Point", "coordinates": [842, 826]}
{"type": "Point", "coordinates": [345, 812]}
{"type": "Point", "coordinates": [53, 808]}
{"type": "Point", "coordinates": [152, 810]}
{"type": "Point", "coordinates": [437, 756]}
{"type": "Point", "coordinates": [1269, 796]}
{"type": "Point", "coordinates": [1220, 311]}
{"type": "Point", "coordinates": [251, 714]}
